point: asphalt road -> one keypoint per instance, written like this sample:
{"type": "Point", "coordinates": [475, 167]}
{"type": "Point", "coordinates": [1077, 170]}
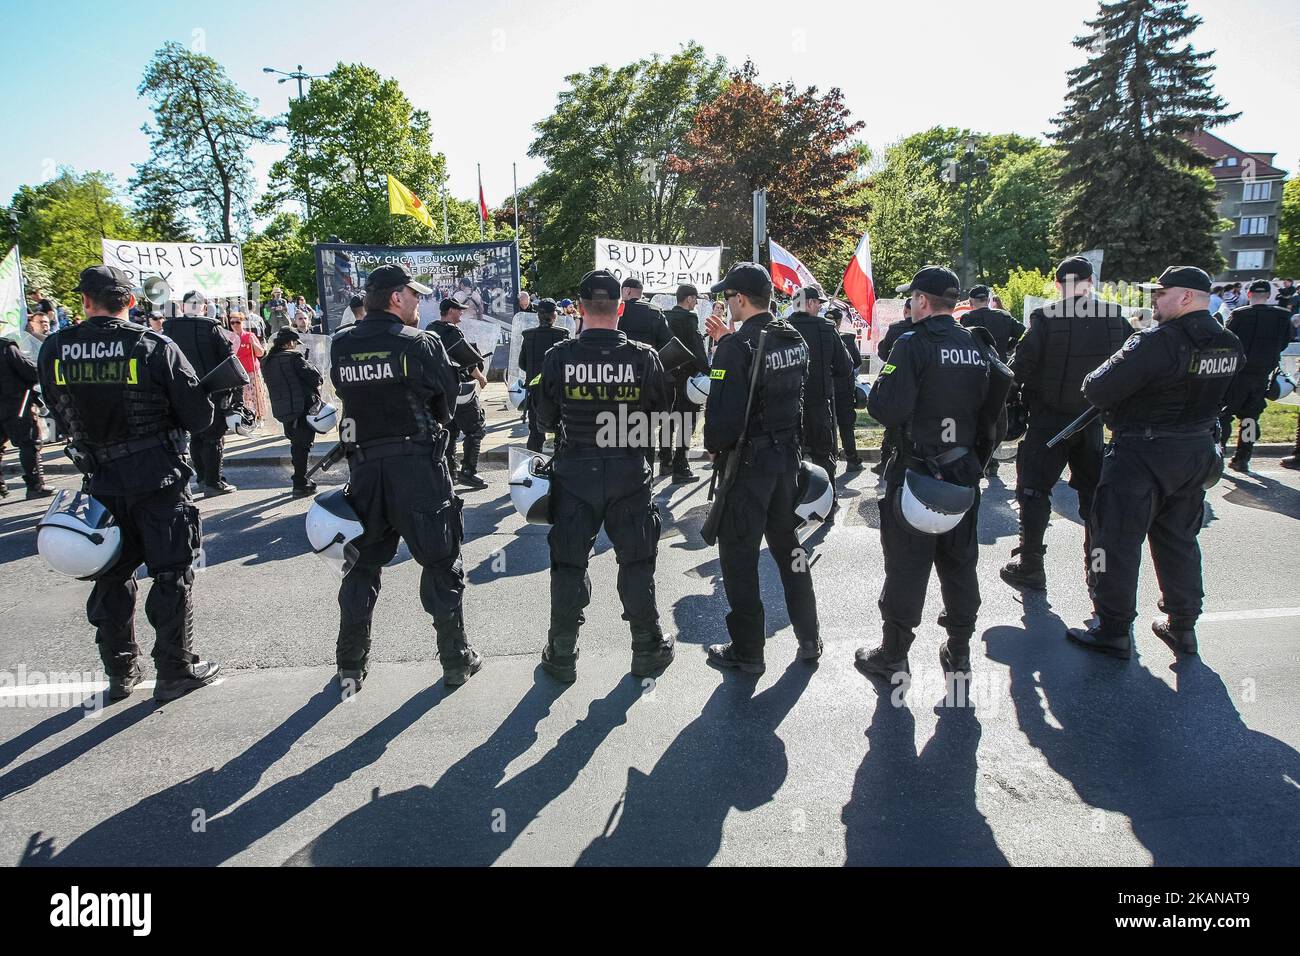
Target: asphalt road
{"type": "Point", "coordinates": [1065, 758]}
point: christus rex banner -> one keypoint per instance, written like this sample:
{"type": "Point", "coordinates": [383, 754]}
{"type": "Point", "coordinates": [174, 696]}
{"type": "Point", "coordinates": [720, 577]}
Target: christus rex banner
{"type": "Point", "coordinates": [13, 308]}
{"type": "Point", "coordinates": [660, 268]}
{"type": "Point", "coordinates": [483, 276]}
{"type": "Point", "coordinates": [166, 271]}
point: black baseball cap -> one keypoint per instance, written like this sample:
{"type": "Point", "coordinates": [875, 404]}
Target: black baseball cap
{"type": "Point", "coordinates": [936, 280]}
{"type": "Point", "coordinates": [446, 305]}
{"type": "Point", "coordinates": [357, 302]}
{"type": "Point", "coordinates": [1181, 277]}
{"type": "Point", "coordinates": [747, 277]}
{"type": "Point", "coordinates": [631, 283]}
{"type": "Point", "coordinates": [98, 279]}
{"type": "Point", "coordinates": [546, 305]}
{"type": "Point", "coordinates": [1262, 285]}
{"type": "Point", "coordinates": [601, 284]}
{"type": "Point", "coordinates": [1076, 266]}
{"type": "Point", "coordinates": [287, 335]}
{"type": "Point", "coordinates": [393, 276]}
{"type": "Point", "coordinates": [686, 289]}
{"type": "Point", "coordinates": [980, 292]}
{"type": "Point", "coordinates": [813, 292]}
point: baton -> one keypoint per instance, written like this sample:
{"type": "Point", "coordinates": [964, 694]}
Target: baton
{"type": "Point", "coordinates": [1076, 426]}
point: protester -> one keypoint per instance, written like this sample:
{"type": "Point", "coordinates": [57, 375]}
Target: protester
{"type": "Point", "coordinates": [248, 349]}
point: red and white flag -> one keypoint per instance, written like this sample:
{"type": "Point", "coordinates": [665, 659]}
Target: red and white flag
{"type": "Point", "coordinates": [858, 287]}
{"type": "Point", "coordinates": [482, 203]}
{"type": "Point", "coordinates": [789, 275]}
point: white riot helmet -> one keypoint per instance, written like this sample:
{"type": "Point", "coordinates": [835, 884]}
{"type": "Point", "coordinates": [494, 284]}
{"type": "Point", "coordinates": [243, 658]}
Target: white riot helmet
{"type": "Point", "coordinates": [466, 394]}
{"type": "Point", "coordinates": [1280, 386]}
{"type": "Point", "coordinates": [78, 536]}
{"type": "Point", "coordinates": [322, 418]}
{"type": "Point", "coordinates": [930, 506]}
{"type": "Point", "coordinates": [241, 421]}
{"type": "Point", "coordinates": [530, 489]}
{"type": "Point", "coordinates": [697, 389]}
{"type": "Point", "coordinates": [516, 393]}
{"type": "Point", "coordinates": [814, 494]}
{"type": "Point", "coordinates": [332, 526]}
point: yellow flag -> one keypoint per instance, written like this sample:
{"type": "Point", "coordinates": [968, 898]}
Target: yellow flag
{"type": "Point", "coordinates": [403, 202]}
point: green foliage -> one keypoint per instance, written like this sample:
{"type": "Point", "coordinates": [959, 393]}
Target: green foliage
{"type": "Point", "coordinates": [1288, 247]}
{"type": "Point", "coordinates": [610, 147]}
{"type": "Point", "coordinates": [1022, 283]}
{"type": "Point", "coordinates": [1012, 226]}
{"type": "Point", "coordinates": [279, 255]}
{"type": "Point", "coordinates": [1136, 187]}
{"type": "Point", "coordinates": [202, 129]}
{"type": "Point", "coordinates": [36, 275]}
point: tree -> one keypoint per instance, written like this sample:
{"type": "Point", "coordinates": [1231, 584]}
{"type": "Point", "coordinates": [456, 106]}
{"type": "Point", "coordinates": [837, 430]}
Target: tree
{"type": "Point", "coordinates": [63, 221]}
{"type": "Point", "coordinates": [912, 222]}
{"type": "Point", "coordinates": [1288, 247]}
{"type": "Point", "coordinates": [202, 129]}
{"type": "Point", "coordinates": [357, 128]}
{"type": "Point", "coordinates": [279, 255]}
{"type": "Point", "coordinates": [1012, 226]}
{"type": "Point", "coordinates": [1136, 185]}
{"type": "Point", "coordinates": [798, 145]}
{"type": "Point", "coordinates": [610, 147]}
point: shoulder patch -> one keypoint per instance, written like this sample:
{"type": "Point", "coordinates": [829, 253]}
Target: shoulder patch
{"type": "Point", "coordinates": [888, 369]}
{"type": "Point", "coordinates": [718, 374]}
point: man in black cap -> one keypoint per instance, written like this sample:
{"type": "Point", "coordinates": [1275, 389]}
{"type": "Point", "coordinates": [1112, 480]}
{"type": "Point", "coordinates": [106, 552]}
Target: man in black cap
{"type": "Point", "coordinates": [846, 412]}
{"type": "Point", "coordinates": [18, 404]}
{"type": "Point", "coordinates": [398, 390]}
{"type": "Point", "coordinates": [469, 419]}
{"type": "Point", "coordinates": [684, 325]}
{"type": "Point", "coordinates": [932, 391]}
{"type": "Point", "coordinates": [888, 441]}
{"type": "Point", "coordinates": [125, 396]}
{"type": "Point", "coordinates": [203, 343]}
{"type": "Point", "coordinates": [533, 346]}
{"type": "Point", "coordinates": [1006, 331]}
{"type": "Point", "coordinates": [643, 323]}
{"type": "Point", "coordinates": [761, 502]}
{"type": "Point", "coordinates": [599, 390]}
{"type": "Point", "coordinates": [828, 365]}
{"type": "Point", "coordinates": [1264, 332]}
{"type": "Point", "coordinates": [1067, 339]}
{"type": "Point", "coordinates": [356, 311]}
{"type": "Point", "coordinates": [294, 385]}
{"type": "Point", "coordinates": [1161, 395]}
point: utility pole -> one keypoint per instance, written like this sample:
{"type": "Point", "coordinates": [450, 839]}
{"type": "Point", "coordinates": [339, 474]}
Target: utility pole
{"type": "Point", "coordinates": [298, 75]}
{"type": "Point", "coordinates": [760, 221]}
{"type": "Point", "coordinates": [970, 168]}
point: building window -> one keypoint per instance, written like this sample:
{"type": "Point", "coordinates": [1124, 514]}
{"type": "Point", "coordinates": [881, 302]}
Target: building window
{"type": "Point", "coordinates": [1250, 259]}
{"type": "Point", "coordinates": [1257, 192]}
{"type": "Point", "coordinates": [1254, 226]}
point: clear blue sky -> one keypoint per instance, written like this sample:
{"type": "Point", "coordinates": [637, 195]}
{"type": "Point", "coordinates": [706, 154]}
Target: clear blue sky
{"type": "Point", "coordinates": [488, 70]}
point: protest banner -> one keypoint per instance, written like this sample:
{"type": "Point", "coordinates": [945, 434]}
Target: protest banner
{"type": "Point", "coordinates": [13, 306]}
{"type": "Point", "coordinates": [660, 268]}
{"type": "Point", "coordinates": [215, 269]}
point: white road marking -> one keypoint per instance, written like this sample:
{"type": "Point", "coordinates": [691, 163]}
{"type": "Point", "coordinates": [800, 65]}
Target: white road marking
{"type": "Point", "coordinates": [1255, 614]}
{"type": "Point", "coordinates": [62, 690]}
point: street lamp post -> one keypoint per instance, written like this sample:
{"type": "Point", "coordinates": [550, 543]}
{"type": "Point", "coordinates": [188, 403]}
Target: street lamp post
{"type": "Point", "coordinates": [298, 75]}
{"type": "Point", "coordinates": [970, 168]}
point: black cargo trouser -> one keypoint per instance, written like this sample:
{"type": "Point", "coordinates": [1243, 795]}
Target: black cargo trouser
{"type": "Point", "coordinates": [407, 497]}
{"type": "Point", "coordinates": [301, 436]}
{"type": "Point", "coordinates": [819, 437]}
{"type": "Point", "coordinates": [593, 488]}
{"type": "Point", "coordinates": [468, 422]}
{"type": "Point", "coordinates": [675, 446]}
{"type": "Point", "coordinates": [1246, 400]}
{"type": "Point", "coordinates": [23, 434]}
{"type": "Point", "coordinates": [207, 448]}
{"type": "Point", "coordinates": [1151, 490]}
{"type": "Point", "coordinates": [1039, 468]}
{"type": "Point", "coordinates": [761, 505]}
{"type": "Point", "coordinates": [162, 530]}
{"type": "Point", "coordinates": [846, 418]}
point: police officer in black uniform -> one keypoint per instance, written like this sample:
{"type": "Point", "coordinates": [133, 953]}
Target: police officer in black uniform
{"type": "Point", "coordinates": [828, 365]}
{"type": "Point", "coordinates": [1161, 395]}
{"type": "Point", "coordinates": [761, 502]}
{"type": "Point", "coordinates": [1006, 331]}
{"type": "Point", "coordinates": [932, 391]}
{"type": "Point", "coordinates": [1265, 332]}
{"type": "Point", "coordinates": [533, 346]}
{"type": "Point", "coordinates": [1067, 339]}
{"type": "Point", "coordinates": [203, 344]}
{"type": "Point", "coordinates": [684, 325]}
{"type": "Point", "coordinates": [294, 385]}
{"type": "Point", "coordinates": [846, 412]}
{"type": "Point", "coordinates": [598, 389]}
{"type": "Point", "coordinates": [398, 390]}
{"type": "Point", "coordinates": [642, 322]}
{"type": "Point", "coordinates": [125, 396]}
{"type": "Point", "coordinates": [886, 345]}
{"type": "Point", "coordinates": [469, 419]}
{"type": "Point", "coordinates": [18, 401]}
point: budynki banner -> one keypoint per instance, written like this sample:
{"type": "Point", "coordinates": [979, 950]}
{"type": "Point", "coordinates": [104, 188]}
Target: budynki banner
{"type": "Point", "coordinates": [660, 268]}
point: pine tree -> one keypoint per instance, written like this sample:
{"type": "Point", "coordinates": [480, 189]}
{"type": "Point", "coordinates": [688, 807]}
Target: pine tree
{"type": "Point", "coordinates": [1136, 186]}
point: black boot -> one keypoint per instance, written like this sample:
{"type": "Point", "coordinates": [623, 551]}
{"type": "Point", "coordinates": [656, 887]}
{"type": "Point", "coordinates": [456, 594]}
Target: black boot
{"type": "Point", "coordinates": [876, 662]}
{"type": "Point", "coordinates": [652, 651]}
{"type": "Point", "coordinates": [303, 488]}
{"type": "Point", "coordinates": [1180, 638]}
{"type": "Point", "coordinates": [1028, 571]}
{"type": "Point", "coordinates": [1293, 462]}
{"type": "Point", "coordinates": [1096, 639]}
{"type": "Point", "coordinates": [121, 685]}
{"type": "Point", "coordinates": [459, 660]}
{"type": "Point", "coordinates": [724, 655]}
{"type": "Point", "coordinates": [954, 657]}
{"type": "Point", "coordinates": [169, 689]}
{"type": "Point", "coordinates": [471, 479]}
{"type": "Point", "coordinates": [560, 657]}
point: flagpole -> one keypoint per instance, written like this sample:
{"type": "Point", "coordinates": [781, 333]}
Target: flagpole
{"type": "Point", "coordinates": [446, 233]}
{"type": "Point", "coordinates": [480, 203]}
{"type": "Point", "coordinates": [514, 174]}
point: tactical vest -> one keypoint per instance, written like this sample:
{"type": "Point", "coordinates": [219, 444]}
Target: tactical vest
{"type": "Point", "coordinates": [640, 323]}
{"type": "Point", "coordinates": [194, 336]}
{"type": "Point", "coordinates": [106, 395]}
{"type": "Point", "coordinates": [536, 343]}
{"type": "Point", "coordinates": [289, 396]}
{"type": "Point", "coordinates": [1264, 332]}
{"type": "Point", "coordinates": [780, 397]}
{"type": "Point", "coordinates": [1189, 392]}
{"type": "Point", "coordinates": [598, 379]}
{"type": "Point", "coordinates": [373, 369]}
{"type": "Point", "coordinates": [954, 386]}
{"type": "Point", "coordinates": [1081, 335]}
{"type": "Point", "coordinates": [449, 335]}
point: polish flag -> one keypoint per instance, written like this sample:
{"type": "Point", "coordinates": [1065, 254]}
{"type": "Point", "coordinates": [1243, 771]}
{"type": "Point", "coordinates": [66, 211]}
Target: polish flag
{"type": "Point", "coordinates": [858, 286]}
{"type": "Point", "coordinates": [482, 203]}
{"type": "Point", "coordinates": [789, 275]}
